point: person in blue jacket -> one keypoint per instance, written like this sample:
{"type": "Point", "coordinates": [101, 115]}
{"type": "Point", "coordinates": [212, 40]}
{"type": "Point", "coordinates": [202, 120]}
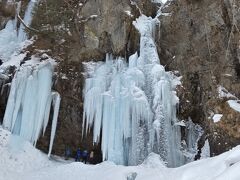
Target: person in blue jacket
{"type": "Point", "coordinates": [78, 155]}
{"type": "Point", "coordinates": [85, 156]}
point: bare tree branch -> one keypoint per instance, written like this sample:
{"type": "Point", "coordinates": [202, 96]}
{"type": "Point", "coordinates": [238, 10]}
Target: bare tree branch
{"type": "Point", "coordinates": [26, 26]}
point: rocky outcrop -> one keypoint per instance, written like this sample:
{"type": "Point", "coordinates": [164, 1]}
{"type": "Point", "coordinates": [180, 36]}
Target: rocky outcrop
{"type": "Point", "coordinates": [200, 39]}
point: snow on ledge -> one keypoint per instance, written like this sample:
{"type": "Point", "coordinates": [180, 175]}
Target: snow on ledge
{"type": "Point", "coordinates": [234, 104]}
{"type": "Point", "coordinates": [159, 1]}
{"type": "Point", "coordinates": [217, 117]}
{"type": "Point", "coordinates": [129, 13]}
{"type": "Point", "coordinates": [223, 93]}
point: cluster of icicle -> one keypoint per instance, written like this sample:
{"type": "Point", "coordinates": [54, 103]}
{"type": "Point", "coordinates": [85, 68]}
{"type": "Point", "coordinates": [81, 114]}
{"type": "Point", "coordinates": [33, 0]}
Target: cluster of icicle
{"type": "Point", "coordinates": [115, 101]}
{"type": "Point", "coordinates": [30, 99]}
{"type": "Point", "coordinates": [29, 102]}
{"type": "Point", "coordinates": [132, 106]}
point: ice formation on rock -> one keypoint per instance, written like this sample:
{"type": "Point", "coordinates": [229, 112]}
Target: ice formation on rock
{"type": "Point", "coordinates": [12, 37]}
{"type": "Point", "coordinates": [115, 101]}
{"type": "Point", "coordinates": [8, 39]}
{"type": "Point", "coordinates": [56, 105]}
{"type": "Point", "coordinates": [132, 106]}
{"type": "Point", "coordinates": [193, 134]}
{"type": "Point", "coordinates": [29, 102]}
{"type": "Point", "coordinates": [22, 36]}
{"type": "Point", "coordinates": [30, 99]}
{"type": "Point", "coordinates": [205, 151]}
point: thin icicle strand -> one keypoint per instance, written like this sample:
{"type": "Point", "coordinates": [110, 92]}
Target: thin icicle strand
{"type": "Point", "coordinates": [56, 105]}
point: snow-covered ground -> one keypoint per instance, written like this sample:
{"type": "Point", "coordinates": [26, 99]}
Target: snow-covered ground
{"type": "Point", "coordinates": [19, 160]}
{"type": "Point", "coordinates": [18, 157]}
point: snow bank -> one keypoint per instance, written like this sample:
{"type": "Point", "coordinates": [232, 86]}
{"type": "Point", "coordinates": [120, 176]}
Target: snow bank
{"type": "Point", "coordinates": [215, 168]}
{"type": "Point", "coordinates": [18, 157]}
{"type": "Point", "coordinates": [20, 160]}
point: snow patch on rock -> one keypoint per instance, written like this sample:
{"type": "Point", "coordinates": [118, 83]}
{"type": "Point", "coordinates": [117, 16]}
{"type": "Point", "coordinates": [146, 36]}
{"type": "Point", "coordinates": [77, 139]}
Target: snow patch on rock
{"type": "Point", "coordinates": [223, 93]}
{"type": "Point", "coordinates": [234, 104]}
{"type": "Point", "coordinates": [217, 117]}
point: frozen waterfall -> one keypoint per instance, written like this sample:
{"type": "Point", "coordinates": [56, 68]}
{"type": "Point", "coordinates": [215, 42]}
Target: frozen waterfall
{"type": "Point", "coordinates": [31, 98]}
{"type": "Point", "coordinates": [115, 101]}
{"type": "Point", "coordinates": [29, 102]}
{"type": "Point", "coordinates": [12, 37]}
{"type": "Point", "coordinates": [22, 36]}
{"type": "Point", "coordinates": [132, 106]}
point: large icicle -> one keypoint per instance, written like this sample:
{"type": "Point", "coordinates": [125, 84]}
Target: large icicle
{"type": "Point", "coordinates": [56, 103]}
{"type": "Point", "coordinates": [29, 102]}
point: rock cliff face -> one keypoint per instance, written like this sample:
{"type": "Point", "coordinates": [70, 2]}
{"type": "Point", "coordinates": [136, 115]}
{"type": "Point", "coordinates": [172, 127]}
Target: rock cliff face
{"type": "Point", "coordinates": [198, 38]}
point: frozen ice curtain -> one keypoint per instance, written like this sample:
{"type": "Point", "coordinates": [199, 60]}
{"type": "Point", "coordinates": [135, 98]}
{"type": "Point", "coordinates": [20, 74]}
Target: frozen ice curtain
{"type": "Point", "coordinates": [134, 104]}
